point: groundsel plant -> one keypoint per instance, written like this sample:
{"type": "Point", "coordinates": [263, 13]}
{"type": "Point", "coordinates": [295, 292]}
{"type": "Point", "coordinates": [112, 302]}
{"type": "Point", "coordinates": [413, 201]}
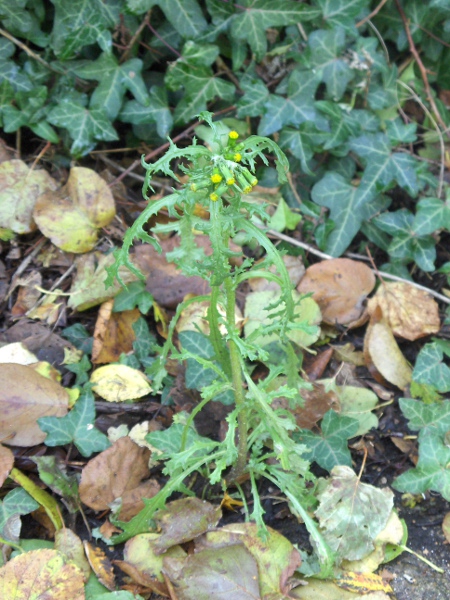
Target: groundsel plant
{"type": "Point", "coordinates": [259, 438]}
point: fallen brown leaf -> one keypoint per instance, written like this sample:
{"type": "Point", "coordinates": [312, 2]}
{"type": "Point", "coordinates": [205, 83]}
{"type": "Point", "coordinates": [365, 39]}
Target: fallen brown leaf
{"type": "Point", "coordinates": [113, 333]}
{"type": "Point", "coordinates": [25, 397]}
{"type": "Point", "coordinates": [340, 287]}
{"type": "Point", "coordinates": [118, 473]}
{"type": "Point", "coordinates": [101, 565]}
{"type": "Point", "coordinates": [6, 463]}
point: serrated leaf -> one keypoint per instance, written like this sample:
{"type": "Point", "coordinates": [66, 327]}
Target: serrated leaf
{"type": "Point", "coordinates": [156, 110]}
{"type": "Point", "coordinates": [351, 514]}
{"type": "Point", "coordinates": [168, 440]}
{"type": "Point", "coordinates": [298, 107]}
{"type": "Point", "coordinates": [330, 448]}
{"type": "Point", "coordinates": [77, 427]}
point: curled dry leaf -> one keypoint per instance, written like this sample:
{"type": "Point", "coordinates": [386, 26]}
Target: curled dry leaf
{"type": "Point", "coordinates": [340, 287]}
{"type": "Point", "coordinates": [41, 574]}
{"type": "Point", "coordinates": [20, 187]}
{"type": "Point", "coordinates": [25, 397]}
{"type": "Point", "coordinates": [384, 358]}
{"type": "Point", "coordinates": [72, 216]}
{"type": "Point", "coordinates": [117, 383]}
{"type": "Point", "coordinates": [118, 473]}
{"type": "Point", "coordinates": [411, 313]}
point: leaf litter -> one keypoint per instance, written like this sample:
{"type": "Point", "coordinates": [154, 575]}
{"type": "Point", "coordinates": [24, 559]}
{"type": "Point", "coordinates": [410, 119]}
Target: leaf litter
{"type": "Point", "coordinates": [233, 557]}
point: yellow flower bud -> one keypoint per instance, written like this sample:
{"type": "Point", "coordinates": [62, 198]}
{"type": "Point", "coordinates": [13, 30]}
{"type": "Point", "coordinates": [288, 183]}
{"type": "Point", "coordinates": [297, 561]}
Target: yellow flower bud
{"type": "Point", "coordinates": [237, 157]}
{"type": "Point", "coordinates": [216, 178]}
{"type": "Point", "coordinates": [233, 135]}
{"type": "Point", "coordinates": [214, 197]}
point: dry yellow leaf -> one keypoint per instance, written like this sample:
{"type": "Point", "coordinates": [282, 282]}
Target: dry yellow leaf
{"type": "Point", "coordinates": [117, 383]}
{"type": "Point", "coordinates": [410, 312]}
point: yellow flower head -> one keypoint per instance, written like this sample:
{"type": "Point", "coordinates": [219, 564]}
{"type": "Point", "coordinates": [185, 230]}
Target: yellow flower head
{"type": "Point", "coordinates": [216, 178]}
{"type": "Point", "coordinates": [237, 157]}
{"type": "Point", "coordinates": [214, 197]}
{"type": "Point", "coordinates": [233, 135]}
{"type": "Point", "coordinates": [231, 181]}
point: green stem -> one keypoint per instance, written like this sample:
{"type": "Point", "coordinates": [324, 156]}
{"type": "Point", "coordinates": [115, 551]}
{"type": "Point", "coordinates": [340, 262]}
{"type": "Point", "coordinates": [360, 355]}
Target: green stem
{"type": "Point", "coordinates": [220, 349]}
{"type": "Point", "coordinates": [238, 384]}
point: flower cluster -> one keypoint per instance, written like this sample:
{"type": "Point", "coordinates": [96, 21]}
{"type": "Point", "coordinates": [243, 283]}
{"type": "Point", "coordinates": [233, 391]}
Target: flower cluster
{"type": "Point", "coordinates": [226, 173]}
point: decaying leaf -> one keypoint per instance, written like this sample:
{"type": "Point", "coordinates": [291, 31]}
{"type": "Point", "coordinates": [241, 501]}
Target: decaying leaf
{"type": "Point", "coordinates": [113, 334]}
{"type": "Point", "coordinates": [88, 286]}
{"type": "Point", "coordinates": [101, 565]}
{"type": "Point", "coordinates": [258, 315]}
{"type": "Point", "coordinates": [140, 553]}
{"type": "Point", "coordinates": [69, 545]}
{"type": "Point", "coordinates": [340, 287]}
{"type": "Point", "coordinates": [276, 557]}
{"type": "Point", "coordinates": [328, 590]}
{"type": "Point", "coordinates": [43, 575]}
{"type": "Point", "coordinates": [411, 313]}
{"type": "Point", "coordinates": [26, 396]}
{"type": "Point", "coordinates": [72, 216]}
{"type": "Point", "coordinates": [118, 473]}
{"type": "Point", "coordinates": [215, 574]}
{"type": "Point", "coordinates": [352, 514]}
{"type": "Point", "coordinates": [117, 383]}
{"type": "Point", "coordinates": [382, 354]}
{"type": "Point", "coordinates": [20, 187]}
{"type": "Point", "coordinates": [183, 520]}
{"type": "Point", "coordinates": [446, 527]}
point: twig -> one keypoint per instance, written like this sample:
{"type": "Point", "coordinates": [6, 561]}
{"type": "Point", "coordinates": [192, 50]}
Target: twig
{"type": "Point", "coordinates": [423, 71]}
{"type": "Point", "coordinates": [131, 43]}
{"type": "Point", "coordinates": [312, 250]}
{"type": "Point", "coordinates": [30, 53]}
{"type": "Point", "coordinates": [372, 14]}
{"type": "Point", "coordinates": [24, 264]}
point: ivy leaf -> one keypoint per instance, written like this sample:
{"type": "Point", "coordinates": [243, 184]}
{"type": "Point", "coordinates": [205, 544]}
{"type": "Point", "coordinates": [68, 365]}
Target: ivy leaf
{"type": "Point", "coordinates": [431, 472]}
{"type": "Point", "coordinates": [299, 143]}
{"type": "Point", "coordinates": [77, 427]}
{"type": "Point", "coordinates": [114, 79]}
{"type": "Point", "coordinates": [341, 12]}
{"type": "Point", "coordinates": [325, 49]}
{"type": "Point", "coordinates": [253, 101]}
{"type": "Point", "coordinates": [255, 16]}
{"type": "Point", "coordinates": [84, 125]}
{"type": "Point", "coordinates": [347, 209]}
{"type": "Point", "coordinates": [430, 368]}
{"type": "Point", "coordinates": [17, 502]}
{"type": "Point", "coordinates": [185, 15]}
{"type": "Point", "coordinates": [298, 107]}
{"type": "Point", "coordinates": [194, 342]}
{"type": "Point", "coordinates": [79, 23]}
{"type": "Point", "coordinates": [330, 448]}
{"type": "Point", "coordinates": [200, 86]}
{"type": "Point", "coordinates": [135, 295]}
{"type": "Point", "coordinates": [431, 214]}
{"type": "Point", "coordinates": [155, 111]}
{"type": "Point", "coordinates": [342, 126]}
{"type": "Point", "coordinates": [384, 167]}
{"type": "Point", "coordinates": [401, 133]}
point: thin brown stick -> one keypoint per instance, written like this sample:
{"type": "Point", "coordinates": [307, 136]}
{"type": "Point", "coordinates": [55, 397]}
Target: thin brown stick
{"type": "Point", "coordinates": [131, 43]}
{"type": "Point", "coordinates": [423, 71]}
{"type": "Point", "coordinates": [372, 14]}
{"type": "Point", "coordinates": [30, 53]}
